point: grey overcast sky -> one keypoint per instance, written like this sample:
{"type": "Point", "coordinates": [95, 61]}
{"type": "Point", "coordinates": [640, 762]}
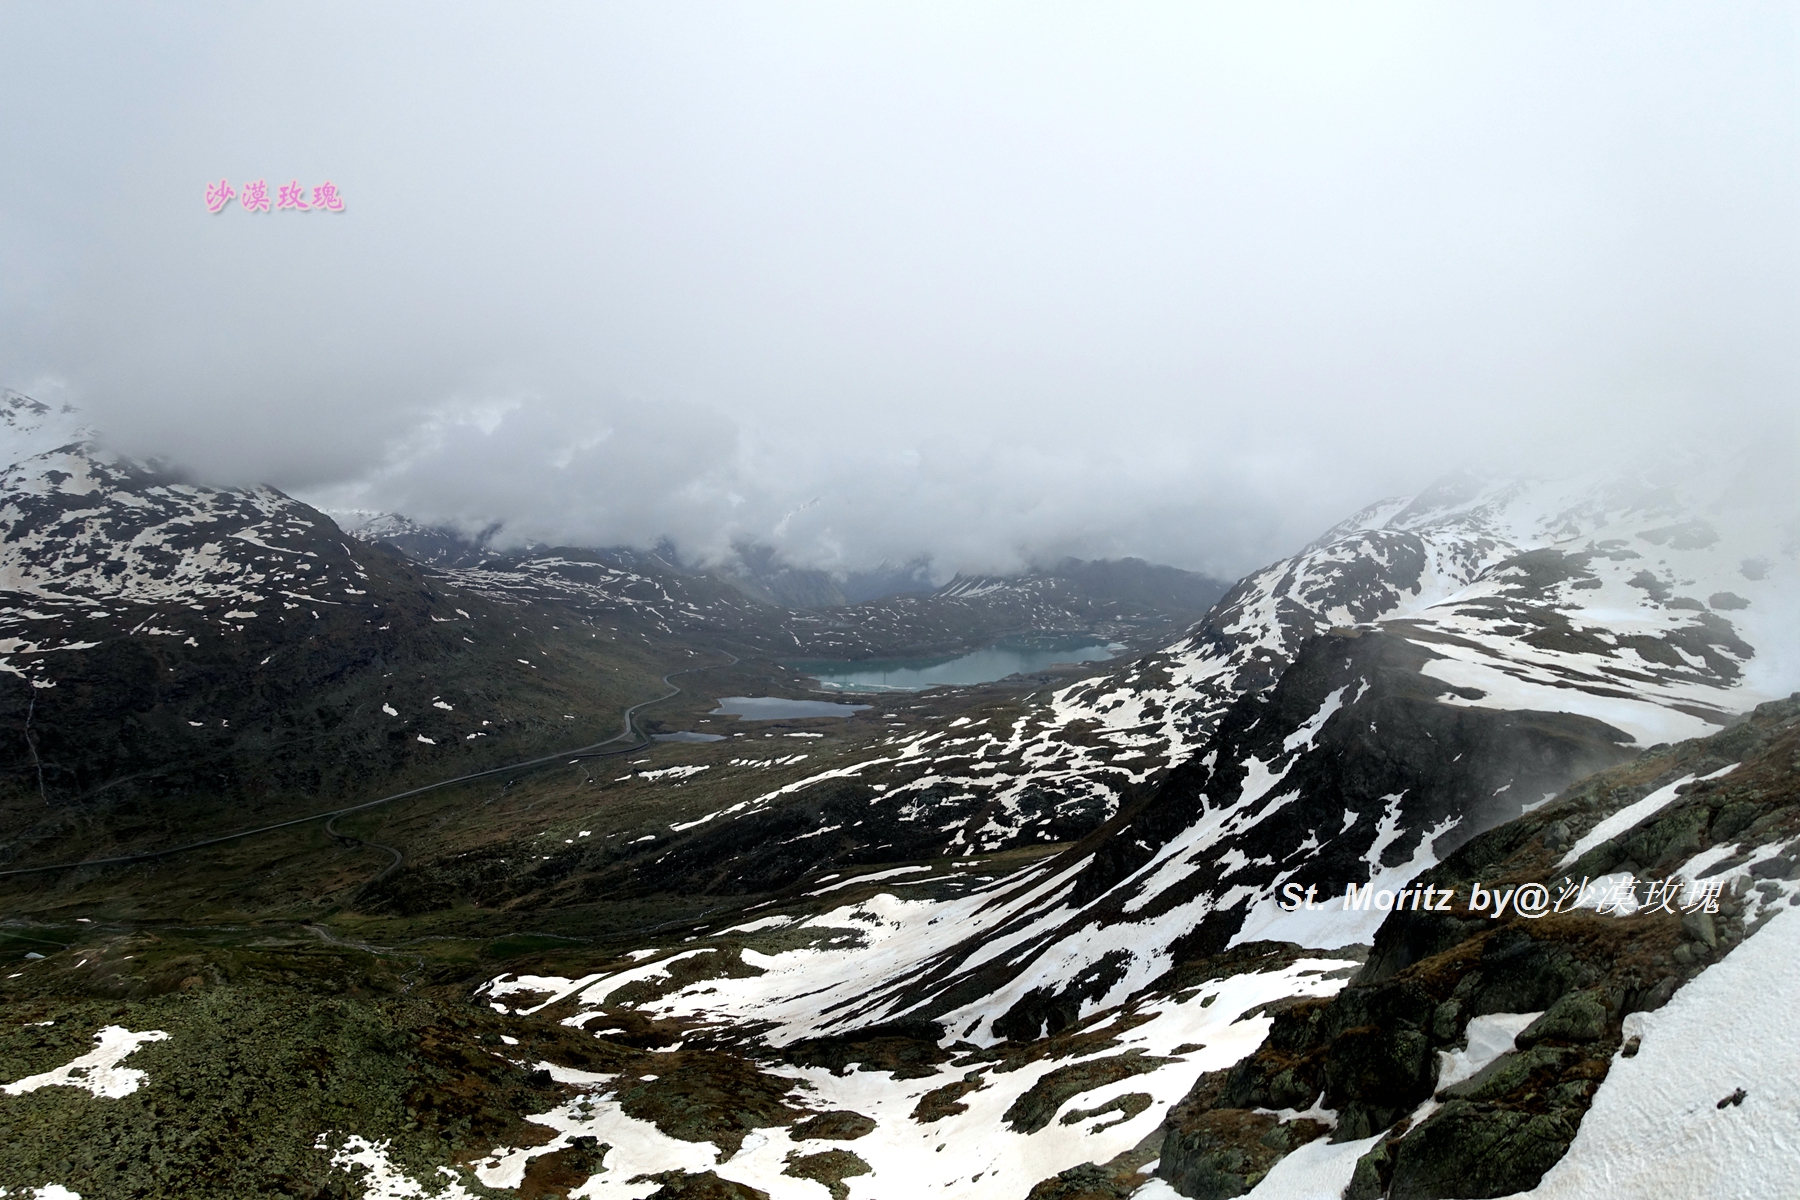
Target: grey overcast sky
{"type": "Point", "coordinates": [989, 281]}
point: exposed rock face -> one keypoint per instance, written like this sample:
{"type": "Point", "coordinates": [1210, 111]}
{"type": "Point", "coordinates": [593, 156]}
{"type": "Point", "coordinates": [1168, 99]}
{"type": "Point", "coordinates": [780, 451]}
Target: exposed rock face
{"type": "Point", "coordinates": [707, 1185]}
{"type": "Point", "coordinates": [827, 1167]}
{"type": "Point", "coordinates": [1225, 1151]}
{"type": "Point", "coordinates": [1353, 764]}
{"type": "Point", "coordinates": [907, 1048]}
{"type": "Point", "coordinates": [1473, 1149]}
{"type": "Point", "coordinates": [1034, 1109]}
{"type": "Point", "coordinates": [1373, 1053]}
{"type": "Point", "coordinates": [836, 1126]}
{"type": "Point", "coordinates": [1088, 1181]}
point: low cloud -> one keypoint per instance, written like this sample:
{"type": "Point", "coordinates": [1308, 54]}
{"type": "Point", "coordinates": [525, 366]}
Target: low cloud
{"type": "Point", "coordinates": [992, 286]}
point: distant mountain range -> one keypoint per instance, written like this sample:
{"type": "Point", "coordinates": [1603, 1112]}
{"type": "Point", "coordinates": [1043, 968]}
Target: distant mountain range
{"type": "Point", "coordinates": [1019, 939]}
{"type": "Point", "coordinates": [774, 608]}
{"type": "Point", "coordinates": [760, 572]}
{"type": "Point", "coordinates": [157, 627]}
{"type": "Point", "coordinates": [1428, 670]}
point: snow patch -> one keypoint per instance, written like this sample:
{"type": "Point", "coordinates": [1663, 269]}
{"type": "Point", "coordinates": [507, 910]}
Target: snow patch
{"type": "Point", "coordinates": [381, 1179]}
{"type": "Point", "coordinates": [98, 1070]}
{"type": "Point", "coordinates": [1655, 1128]}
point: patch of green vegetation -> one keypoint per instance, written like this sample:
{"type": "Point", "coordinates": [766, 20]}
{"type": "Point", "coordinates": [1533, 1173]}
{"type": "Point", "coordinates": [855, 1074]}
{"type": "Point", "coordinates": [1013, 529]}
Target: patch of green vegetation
{"type": "Point", "coordinates": [269, 1047]}
{"type": "Point", "coordinates": [319, 979]}
{"type": "Point", "coordinates": [516, 944]}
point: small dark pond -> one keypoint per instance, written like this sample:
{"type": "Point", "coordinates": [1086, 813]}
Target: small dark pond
{"type": "Point", "coordinates": [773, 708]}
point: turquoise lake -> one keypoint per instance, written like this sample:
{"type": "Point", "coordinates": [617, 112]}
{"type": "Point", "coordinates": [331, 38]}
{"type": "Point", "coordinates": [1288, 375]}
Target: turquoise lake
{"type": "Point", "coordinates": [1009, 656]}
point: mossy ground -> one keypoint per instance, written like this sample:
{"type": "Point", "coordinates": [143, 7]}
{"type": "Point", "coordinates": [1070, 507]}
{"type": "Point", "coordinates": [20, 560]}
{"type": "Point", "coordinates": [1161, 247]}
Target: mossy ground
{"type": "Point", "coordinates": [270, 1046]}
{"type": "Point", "coordinates": [297, 1007]}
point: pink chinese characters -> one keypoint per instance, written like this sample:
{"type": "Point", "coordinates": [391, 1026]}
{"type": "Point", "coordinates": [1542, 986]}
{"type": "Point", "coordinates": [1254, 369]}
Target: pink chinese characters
{"type": "Point", "coordinates": [292, 196]}
{"type": "Point", "coordinates": [289, 196]}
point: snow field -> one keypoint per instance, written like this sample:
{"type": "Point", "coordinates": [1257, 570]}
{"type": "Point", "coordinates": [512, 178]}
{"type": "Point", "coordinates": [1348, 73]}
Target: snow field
{"type": "Point", "coordinates": [97, 1071]}
{"type": "Point", "coordinates": [1721, 1032]}
{"type": "Point", "coordinates": [971, 1155]}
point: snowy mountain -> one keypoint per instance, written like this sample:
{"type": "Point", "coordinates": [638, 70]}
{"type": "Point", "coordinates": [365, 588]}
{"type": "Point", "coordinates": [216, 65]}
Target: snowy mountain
{"type": "Point", "coordinates": [1428, 670]}
{"type": "Point", "coordinates": [183, 640]}
{"type": "Point", "coordinates": [1616, 614]}
{"type": "Point", "coordinates": [1619, 599]}
{"type": "Point", "coordinates": [991, 942]}
{"type": "Point", "coordinates": [766, 607]}
{"type": "Point", "coordinates": [87, 532]}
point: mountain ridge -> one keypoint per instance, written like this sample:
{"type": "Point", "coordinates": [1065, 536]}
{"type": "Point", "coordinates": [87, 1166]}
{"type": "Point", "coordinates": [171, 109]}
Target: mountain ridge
{"type": "Point", "coordinates": [1035, 923]}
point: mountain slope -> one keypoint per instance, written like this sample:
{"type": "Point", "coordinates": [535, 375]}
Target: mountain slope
{"type": "Point", "coordinates": [1213, 1068]}
{"type": "Point", "coordinates": [1424, 673]}
{"type": "Point", "coordinates": [1519, 611]}
{"type": "Point", "coordinates": [180, 655]}
{"type": "Point", "coordinates": [1619, 599]}
{"type": "Point", "coordinates": [1502, 1102]}
{"type": "Point", "coordinates": [842, 962]}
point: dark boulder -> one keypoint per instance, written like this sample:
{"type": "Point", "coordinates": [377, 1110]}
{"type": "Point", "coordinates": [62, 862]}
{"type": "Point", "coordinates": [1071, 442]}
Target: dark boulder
{"type": "Point", "coordinates": [1577, 1017]}
{"type": "Point", "coordinates": [1225, 1152]}
{"type": "Point", "coordinates": [1466, 1149]}
{"type": "Point", "coordinates": [1373, 1074]}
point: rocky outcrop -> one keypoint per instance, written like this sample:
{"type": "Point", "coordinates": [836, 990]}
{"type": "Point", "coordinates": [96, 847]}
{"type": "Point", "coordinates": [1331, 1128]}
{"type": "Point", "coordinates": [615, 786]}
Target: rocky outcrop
{"type": "Point", "coordinates": [1371, 1057]}
{"type": "Point", "coordinates": [829, 1168]}
{"type": "Point", "coordinates": [1040, 1102]}
{"type": "Point", "coordinates": [707, 1185]}
{"type": "Point", "coordinates": [1355, 739]}
{"type": "Point", "coordinates": [1227, 1151]}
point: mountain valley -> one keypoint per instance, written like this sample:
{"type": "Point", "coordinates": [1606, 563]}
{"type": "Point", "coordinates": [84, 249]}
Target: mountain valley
{"type": "Point", "coordinates": [386, 863]}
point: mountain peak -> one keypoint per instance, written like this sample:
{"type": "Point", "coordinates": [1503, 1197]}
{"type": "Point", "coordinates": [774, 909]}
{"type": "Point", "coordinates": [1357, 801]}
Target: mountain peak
{"type": "Point", "coordinates": [30, 427]}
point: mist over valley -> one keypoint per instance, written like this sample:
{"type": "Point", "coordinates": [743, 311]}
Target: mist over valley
{"type": "Point", "coordinates": [805, 603]}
